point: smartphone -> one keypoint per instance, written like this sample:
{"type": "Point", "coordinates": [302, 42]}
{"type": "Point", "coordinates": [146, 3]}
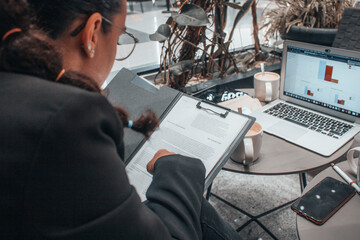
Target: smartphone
{"type": "Point", "coordinates": [323, 200]}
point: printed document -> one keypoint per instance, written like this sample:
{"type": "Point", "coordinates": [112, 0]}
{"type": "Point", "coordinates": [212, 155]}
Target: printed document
{"type": "Point", "coordinates": [189, 131]}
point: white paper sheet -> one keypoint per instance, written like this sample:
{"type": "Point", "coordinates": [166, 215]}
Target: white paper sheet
{"type": "Point", "coordinates": [189, 131]}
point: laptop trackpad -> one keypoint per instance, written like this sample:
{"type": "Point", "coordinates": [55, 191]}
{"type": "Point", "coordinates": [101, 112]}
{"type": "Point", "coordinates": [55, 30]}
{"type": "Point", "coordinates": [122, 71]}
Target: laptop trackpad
{"type": "Point", "coordinates": [286, 130]}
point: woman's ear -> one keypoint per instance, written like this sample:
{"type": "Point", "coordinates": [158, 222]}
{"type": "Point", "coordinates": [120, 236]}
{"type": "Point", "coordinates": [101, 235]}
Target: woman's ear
{"type": "Point", "coordinates": [90, 34]}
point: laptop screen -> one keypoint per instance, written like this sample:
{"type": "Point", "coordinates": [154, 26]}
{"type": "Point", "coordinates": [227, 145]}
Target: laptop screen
{"type": "Point", "coordinates": [328, 80]}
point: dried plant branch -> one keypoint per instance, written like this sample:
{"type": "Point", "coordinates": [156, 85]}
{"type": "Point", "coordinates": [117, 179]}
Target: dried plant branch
{"type": "Point", "coordinates": [311, 13]}
{"type": "Point", "coordinates": [192, 42]}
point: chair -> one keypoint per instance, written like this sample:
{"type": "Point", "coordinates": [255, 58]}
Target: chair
{"type": "Point", "coordinates": [348, 34]}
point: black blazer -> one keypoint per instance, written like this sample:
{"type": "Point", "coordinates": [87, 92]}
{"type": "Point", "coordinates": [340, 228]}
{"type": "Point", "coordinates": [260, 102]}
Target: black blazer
{"type": "Point", "coordinates": [62, 176]}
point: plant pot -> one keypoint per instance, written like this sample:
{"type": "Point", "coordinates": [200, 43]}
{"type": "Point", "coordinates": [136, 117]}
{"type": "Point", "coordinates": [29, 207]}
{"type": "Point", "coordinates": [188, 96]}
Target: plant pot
{"type": "Point", "coordinates": [235, 80]}
{"type": "Point", "coordinates": [238, 80]}
{"type": "Point", "coordinates": [320, 36]}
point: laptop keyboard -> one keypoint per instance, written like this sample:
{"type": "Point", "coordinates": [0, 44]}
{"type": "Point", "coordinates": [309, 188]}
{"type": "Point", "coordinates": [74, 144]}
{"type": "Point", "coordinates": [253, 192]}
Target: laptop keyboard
{"type": "Point", "coordinates": [310, 120]}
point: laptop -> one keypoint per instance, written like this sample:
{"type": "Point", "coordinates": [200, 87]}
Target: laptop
{"type": "Point", "coordinates": [319, 104]}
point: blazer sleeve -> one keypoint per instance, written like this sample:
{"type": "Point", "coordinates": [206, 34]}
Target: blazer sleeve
{"type": "Point", "coordinates": [77, 187]}
{"type": "Point", "coordinates": [176, 195]}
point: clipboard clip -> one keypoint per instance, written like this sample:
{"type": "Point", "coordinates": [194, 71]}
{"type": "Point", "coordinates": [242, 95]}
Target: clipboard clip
{"type": "Point", "coordinates": [223, 115]}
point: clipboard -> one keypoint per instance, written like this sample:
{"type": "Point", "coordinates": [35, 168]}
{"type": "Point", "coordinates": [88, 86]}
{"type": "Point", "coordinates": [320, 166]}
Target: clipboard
{"type": "Point", "coordinates": [197, 116]}
{"type": "Point", "coordinates": [136, 94]}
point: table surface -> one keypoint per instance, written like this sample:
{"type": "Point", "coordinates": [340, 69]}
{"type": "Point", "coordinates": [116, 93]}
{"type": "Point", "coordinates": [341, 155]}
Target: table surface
{"type": "Point", "coordinates": [344, 224]}
{"type": "Point", "coordinates": [279, 156]}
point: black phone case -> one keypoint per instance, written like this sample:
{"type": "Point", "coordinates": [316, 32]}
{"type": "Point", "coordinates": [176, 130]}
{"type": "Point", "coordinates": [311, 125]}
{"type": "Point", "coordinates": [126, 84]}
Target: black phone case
{"type": "Point", "coordinates": [323, 200]}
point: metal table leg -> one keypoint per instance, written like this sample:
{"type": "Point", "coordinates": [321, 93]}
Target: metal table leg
{"type": "Point", "coordinates": [252, 217]}
{"type": "Point", "coordinates": [303, 181]}
{"type": "Point", "coordinates": [208, 192]}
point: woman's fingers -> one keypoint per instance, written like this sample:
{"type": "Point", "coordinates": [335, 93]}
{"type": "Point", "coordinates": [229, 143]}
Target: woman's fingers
{"type": "Point", "coordinates": [158, 154]}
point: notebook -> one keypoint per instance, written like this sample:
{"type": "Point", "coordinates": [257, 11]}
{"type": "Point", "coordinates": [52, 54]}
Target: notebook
{"type": "Point", "coordinates": [319, 104]}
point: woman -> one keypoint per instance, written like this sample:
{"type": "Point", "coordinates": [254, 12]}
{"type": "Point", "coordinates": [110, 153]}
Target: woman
{"type": "Point", "coordinates": [61, 142]}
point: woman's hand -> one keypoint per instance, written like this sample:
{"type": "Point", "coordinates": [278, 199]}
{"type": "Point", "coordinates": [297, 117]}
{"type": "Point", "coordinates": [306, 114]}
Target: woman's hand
{"type": "Point", "coordinates": [158, 154]}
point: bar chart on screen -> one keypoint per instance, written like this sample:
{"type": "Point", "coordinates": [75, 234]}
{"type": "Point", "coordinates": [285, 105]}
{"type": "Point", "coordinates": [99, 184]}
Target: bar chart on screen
{"type": "Point", "coordinates": [325, 79]}
{"type": "Point", "coordinates": [325, 72]}
{"type": "Point", "coordinates": [308, 91]}
{"type": "Point", "coordinates": [342, 99]}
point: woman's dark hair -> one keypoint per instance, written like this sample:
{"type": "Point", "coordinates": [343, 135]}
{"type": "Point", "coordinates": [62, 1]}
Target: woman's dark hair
{"type": "Point", "coordinates": [33, 52]}
{"type": "Point", "coordinates": [55, 16]}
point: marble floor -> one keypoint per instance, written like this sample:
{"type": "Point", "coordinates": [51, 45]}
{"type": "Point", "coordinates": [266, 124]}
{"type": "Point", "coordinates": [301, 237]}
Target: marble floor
{"type": "Point", "coordinates": [234, 193]}
{"type": "Point", "coordinates": [256, 194]}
